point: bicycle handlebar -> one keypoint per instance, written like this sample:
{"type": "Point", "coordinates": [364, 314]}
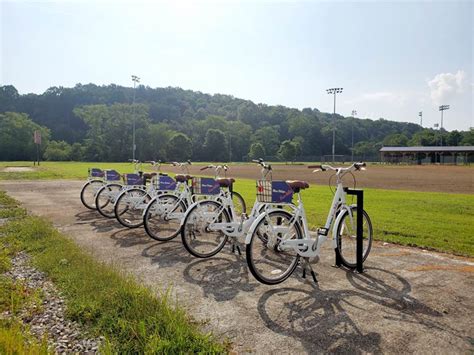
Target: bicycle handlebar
{"type": "Point", "coordinates": [324, 167]}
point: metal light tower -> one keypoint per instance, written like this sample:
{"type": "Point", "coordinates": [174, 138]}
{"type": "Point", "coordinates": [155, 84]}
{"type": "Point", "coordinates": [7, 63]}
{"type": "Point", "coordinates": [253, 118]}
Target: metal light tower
{"type": "Point", "coordinates": [334, 91]}
{"type": "Point", "coordinates": [135, 80]}
{"type": "Point", "coordinates": [421, 118]}
{"type": "Point", "coordinates": [442, 108]}
{"type": "Point", "coordinates": [354, 113]}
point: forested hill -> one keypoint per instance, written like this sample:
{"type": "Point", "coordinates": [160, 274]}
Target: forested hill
{"type": "Point", "coordinates": [95, 124]}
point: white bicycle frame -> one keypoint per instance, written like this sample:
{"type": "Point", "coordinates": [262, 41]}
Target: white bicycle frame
{"type": "Point", "coordinates": [308, 246]}
{"type": "Point", "coordinates": [236, 229]}
{"type": "Point", "coordinates": [182, 192]}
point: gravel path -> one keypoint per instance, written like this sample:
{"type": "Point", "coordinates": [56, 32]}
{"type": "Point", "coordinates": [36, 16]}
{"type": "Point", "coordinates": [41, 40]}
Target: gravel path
{"type": "Point", "coordinates": [63, 336]}
{"type": "Point", "coordinates": [407, 300]}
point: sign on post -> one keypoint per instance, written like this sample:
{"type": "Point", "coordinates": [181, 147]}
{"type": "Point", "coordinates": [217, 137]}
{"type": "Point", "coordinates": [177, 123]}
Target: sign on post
{"type": "Point", "coordinates": [37, 140]}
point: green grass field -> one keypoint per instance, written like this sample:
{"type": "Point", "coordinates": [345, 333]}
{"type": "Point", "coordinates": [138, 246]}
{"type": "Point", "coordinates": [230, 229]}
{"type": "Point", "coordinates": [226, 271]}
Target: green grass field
{"type": "Point", "coordinates": [440, 221]}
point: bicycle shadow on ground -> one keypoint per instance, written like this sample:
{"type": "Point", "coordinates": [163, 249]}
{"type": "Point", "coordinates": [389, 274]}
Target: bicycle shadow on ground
{"type": "Point", "coordinates": [99, 223]}
{"type": "Point", "coordinates": [129, 237]}
{"type": "Point", "coordinates": [222, 277]}
{"type": "Point", "coordinates": [167, 254]}
{"type": "Point", "coordinates": [323, 320]}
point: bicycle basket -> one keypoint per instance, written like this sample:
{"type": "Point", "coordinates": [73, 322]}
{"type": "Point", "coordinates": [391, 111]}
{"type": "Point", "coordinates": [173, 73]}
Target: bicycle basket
{"type": "Point", "coordinates": [206, 186]}
{"type": "Point", "coordinates": [274, 192]}
{"type": "Point", "coordinates": [96, 172]}
{"type": "Point", "coordinates": [166, 183]}
{"type": "Point", "coordinates": [133, 179]}
{"type": "Point", "coordinates": [112, 175]}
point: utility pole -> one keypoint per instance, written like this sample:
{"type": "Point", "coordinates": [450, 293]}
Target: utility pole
{"type": "Point", "coordinates": [354, 113]}
{"type": "Point", "coordinates": [421, 118]}
{"type": "Point", "coordinates": [334, 91]}
{"type": "Point", "coordinates": [442, 108]}
{"type": "Point", "coordinates": [135, 80]}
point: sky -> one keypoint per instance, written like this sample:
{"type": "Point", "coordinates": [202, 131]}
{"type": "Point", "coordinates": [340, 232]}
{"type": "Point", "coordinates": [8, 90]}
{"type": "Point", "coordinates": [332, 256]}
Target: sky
{"type": "Point", "coordinates": [392, 59]}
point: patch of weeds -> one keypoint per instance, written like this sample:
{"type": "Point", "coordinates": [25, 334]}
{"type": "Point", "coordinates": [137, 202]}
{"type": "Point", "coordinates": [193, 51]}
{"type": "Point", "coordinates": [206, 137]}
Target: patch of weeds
{"type": "Point", "coordinates": [15, 339]}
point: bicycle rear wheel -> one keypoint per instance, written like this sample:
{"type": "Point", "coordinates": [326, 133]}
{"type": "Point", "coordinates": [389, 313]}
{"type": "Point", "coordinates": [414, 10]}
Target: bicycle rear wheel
{"type": "Point", "coordinates": [105, 199]}
{"type": "Point", "coordinates": [346, 237]}
{"type": "Point", "coordinates": [197, 238]}
{"type": "Point", "coordinates": [162, 217]}
{"type": "Point", "coordinates": [130, 206]}
{"type": "Point", "coordinates": [267, 262]}
{"type": "Point", "coordinates": [89, 191]}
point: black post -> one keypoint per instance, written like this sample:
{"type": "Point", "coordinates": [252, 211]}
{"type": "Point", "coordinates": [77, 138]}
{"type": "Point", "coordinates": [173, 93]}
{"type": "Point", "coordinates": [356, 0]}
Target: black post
{"type": "Point", "coordinates": [37, 154]}
{"type": "Point", "coordinates": [360, 229]}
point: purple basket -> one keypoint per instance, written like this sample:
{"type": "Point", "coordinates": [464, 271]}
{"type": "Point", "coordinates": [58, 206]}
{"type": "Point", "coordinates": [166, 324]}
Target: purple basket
{"type": "Point", "coordinates": [133, 179]}
{"type": "Point", "coordinates": [274, 192]}
{"type": "Point", "coordinates": [206, 186]}
{"type": "Point", "coordinates": [96, 172]}
{"type": "Point", "coordinates": [166, 183]}
{"type": "Point", "coordinates": [112, 175]}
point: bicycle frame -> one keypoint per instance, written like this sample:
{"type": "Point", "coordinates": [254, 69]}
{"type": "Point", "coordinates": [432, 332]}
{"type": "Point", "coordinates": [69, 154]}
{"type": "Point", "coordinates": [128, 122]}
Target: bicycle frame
{"type": "Point", "coordinates": [182, 192]}
{"type": "Point", "coordinates": [308, 246]}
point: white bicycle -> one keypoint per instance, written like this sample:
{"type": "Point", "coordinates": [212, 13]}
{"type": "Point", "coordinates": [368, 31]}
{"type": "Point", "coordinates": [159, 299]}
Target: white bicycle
{"type": "Point", "coordinates": [95, 181]}
{"type": "Point", "coordinates": [132, 201]}
{"type": "Point", "coordinates": [278, 239]}
{"type": "Point", "coordinates": [209, 223]}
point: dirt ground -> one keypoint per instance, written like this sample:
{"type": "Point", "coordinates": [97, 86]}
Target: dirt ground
{"type": "Point", "coordinates": [407, 300]}
{"type": "Point", "coordinates": [436, 178]}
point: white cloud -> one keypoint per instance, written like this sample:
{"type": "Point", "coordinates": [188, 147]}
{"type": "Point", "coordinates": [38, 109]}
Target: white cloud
{"type": "Point", "coordinates": [445, 85]}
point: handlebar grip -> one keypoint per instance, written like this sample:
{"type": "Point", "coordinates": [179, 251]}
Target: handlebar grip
{"type": "Point", "coordinates": [206, 167]}
{"type": "Point", "coordinates": [314, 166]}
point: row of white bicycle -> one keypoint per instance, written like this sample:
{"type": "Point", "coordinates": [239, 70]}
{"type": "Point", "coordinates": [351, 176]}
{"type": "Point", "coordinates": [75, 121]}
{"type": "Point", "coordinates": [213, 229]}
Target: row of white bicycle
{"type": "Point", "coordinates": [208, 214]}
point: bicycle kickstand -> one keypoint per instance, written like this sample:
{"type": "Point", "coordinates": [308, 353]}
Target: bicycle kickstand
{"type": "Point", "coordinates": [235, 247]}
{"type": "Point", "coordinates": [306, 265]}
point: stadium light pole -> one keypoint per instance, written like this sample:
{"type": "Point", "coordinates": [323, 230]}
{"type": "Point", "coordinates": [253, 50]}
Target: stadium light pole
{"type": "Point", "coordinates": [442, 108]}
{"type": "Point", "coordinates": [135, 80]}
{"type": "Point", "coordinates": [421, 118]}
{"type": "Point", "coordinates": [354, 113]}
{"type": "Point", "coordinates": [334, 91]}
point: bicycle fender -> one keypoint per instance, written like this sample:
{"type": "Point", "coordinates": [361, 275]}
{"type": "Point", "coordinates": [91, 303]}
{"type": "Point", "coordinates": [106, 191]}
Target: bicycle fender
{"type": "Point", "coordinates": [336, 223]}
{"type": "Point", "coordinates": [262, 215]}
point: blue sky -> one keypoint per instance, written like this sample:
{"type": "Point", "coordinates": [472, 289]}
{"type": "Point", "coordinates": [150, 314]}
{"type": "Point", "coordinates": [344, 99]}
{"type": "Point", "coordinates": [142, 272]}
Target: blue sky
{"type": "Point", "coordinates": [393, 59]}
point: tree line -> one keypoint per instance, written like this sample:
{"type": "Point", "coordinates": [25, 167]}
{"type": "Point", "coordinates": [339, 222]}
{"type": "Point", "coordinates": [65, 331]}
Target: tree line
{"type": "Point", "coordinates": [95, 123]}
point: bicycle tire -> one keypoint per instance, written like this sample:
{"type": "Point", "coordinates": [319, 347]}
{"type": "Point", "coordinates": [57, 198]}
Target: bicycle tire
{"type": "Point", "coordinates": [189, 230]}
{"type": "Point", "coordinates": [123, 214]}
{"type": "Point", "coordinates": [84, 192]}
{"type": "Point", "coordinates": [348, 254]}
{"type": "Point", "coordinates": [270, 254]}
{"type": "Point", "coordinates": [102, 202]}
{"type": "Point", "coordinates": [150, 227]}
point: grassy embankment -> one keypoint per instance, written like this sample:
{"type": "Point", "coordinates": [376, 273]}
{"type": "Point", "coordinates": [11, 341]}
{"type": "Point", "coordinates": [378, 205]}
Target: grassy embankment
{"type": "Point", "coordinates": [440, 221]}
{"type": "Point", "coordinates": [99, 297]}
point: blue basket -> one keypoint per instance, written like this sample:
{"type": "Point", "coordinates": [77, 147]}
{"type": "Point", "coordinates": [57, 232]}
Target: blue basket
{"type": "Point", "coordinates": [206, 186]}
{"type": "Point", "coordinates": [96, 172]}
{"type": "Point", "coordinates": [133, 179]}
{"type": "Point", "coordinates": [274, 192]}
{"type": "Point", "coordinates": [112, 175]}
{"type": "Point", "coordinates": [166, 183]}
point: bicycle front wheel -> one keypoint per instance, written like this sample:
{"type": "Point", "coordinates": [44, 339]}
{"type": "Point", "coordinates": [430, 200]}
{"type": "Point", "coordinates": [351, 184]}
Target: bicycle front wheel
{"type": "Point", "coordinates": [267, 261]}
{"type": "Point", "coordinates": [162, 217]}
{"type": "Point", "coordinates": [130, 206]}
{"type": "Point", "coordinates": [89, 191]}
{"type": "Point", "coordinates": [105, 199]}
{"type": "Point", "coordinates": [198, 238]}
{"type": "Point", "coordinates": [346, 237]}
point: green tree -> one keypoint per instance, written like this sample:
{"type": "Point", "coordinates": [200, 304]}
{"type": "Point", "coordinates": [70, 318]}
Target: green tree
{"type": "Point", "coordinates": [16, 136]}
{"type": "Point", "coordinates": [179, 147]}
{"type": "Point", "coordinates": [396, 140]}
{"type": "Point", "coordinates": [468, 138]}
{"type": "Point", "coordinates": [216, 146]}
{"type": "Point", "coordinates": [58, 151]}
{"type": "Point", "coordinates": [287, 151]}
{"type": "Point", "coordinates": [269, 138]}
{"type": "Point", "coordinates": [256, 151]}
